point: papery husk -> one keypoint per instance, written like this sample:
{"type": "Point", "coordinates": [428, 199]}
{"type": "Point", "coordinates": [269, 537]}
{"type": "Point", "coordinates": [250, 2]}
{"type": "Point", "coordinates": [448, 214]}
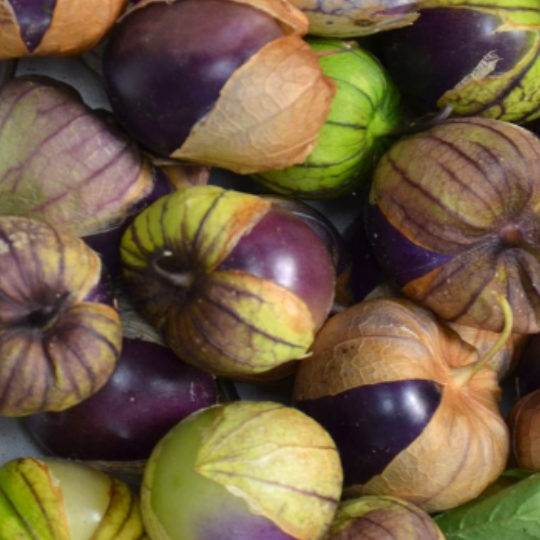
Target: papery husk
{"type": "Point", "coordinates": [506, 359]}
{"type": "Point", "coordinates": [464, 446]}
{"type": "Point", "coordinates": [231, 323]}
{"type": "Point", "coordinates": [356, 18]}
{"type": "Point", "coordinates": [269, 113]}
{"type": "Point", "coordinates": [35, 503]}
{"type": "Point", "coordinates": [395, 519]}
{"type": "Point", "coordinates": [67, 34]}
{"type": "Point", "coordinates": [291, 20]}
{"type": "Point", "coordinates": [511, 96]}
{"type": "Point", "coordinates": [250, 451]}
{"type": "Point", "coordinates": [62, 163]}
{"type": "Point", "coordinates": [464, 194]}
{"type": "Point", "coordinates": [524, 424]}
{"type": "Point", "coordinates": [57, 364]}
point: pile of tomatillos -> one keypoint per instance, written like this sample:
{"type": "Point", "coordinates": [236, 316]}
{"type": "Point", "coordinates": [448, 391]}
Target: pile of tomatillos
{"type": "Point", "coordinates": [395, 363]}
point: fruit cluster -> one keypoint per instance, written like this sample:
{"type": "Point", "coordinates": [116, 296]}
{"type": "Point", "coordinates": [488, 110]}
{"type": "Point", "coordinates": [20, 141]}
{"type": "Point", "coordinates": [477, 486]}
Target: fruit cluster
{"type": "Point", "coordinates": [140, 297]}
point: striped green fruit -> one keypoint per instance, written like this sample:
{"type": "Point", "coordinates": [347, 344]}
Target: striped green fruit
{"type": "Point", "coordinates": [364, 111]}
{"type": "Point", "coordinates": [61, 500]}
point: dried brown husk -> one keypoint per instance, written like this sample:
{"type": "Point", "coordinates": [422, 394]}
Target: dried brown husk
{"type": "Point", "coordinates": [524, 423]}
{"type": "Point", "coordinates": [464, 447]}
{"type": "Point", "coordinates": [75, 27]}
{"type": "Point", "coordinates": [269, 113]}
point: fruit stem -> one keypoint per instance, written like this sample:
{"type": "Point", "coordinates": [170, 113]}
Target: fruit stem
{"type": "Point", "coordinates": [465, 374]}
{"type": "Point", "coordinates": [174, 276]}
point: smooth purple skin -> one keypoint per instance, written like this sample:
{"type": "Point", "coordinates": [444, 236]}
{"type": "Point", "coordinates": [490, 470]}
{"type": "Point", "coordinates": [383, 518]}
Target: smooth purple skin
{"type": "Point", "coordinates": [150, 391]}
{"type": "Point", "coordinates": [235, 525]}
{"type": "Point", "coordinates": [401, 259]}
{"type": "Point", "coordinates": [166, 64]}
{"type": "Point", "coordinates": [107, 243]}
{"type": "Point", "coordinates": [442, 47]}
{"type": "Point", "coordinates": [372, 424]}
{"type": "Point", "coordinates": [528, 373]}
{"type": "Point", "coordinates": [282, 248]}
{"type": "Point", "coordinates": [322, 227]}
{"type": "Point", "coordinates": [34, 19]}
{"type": "Point", "coordinates": [366, 273]}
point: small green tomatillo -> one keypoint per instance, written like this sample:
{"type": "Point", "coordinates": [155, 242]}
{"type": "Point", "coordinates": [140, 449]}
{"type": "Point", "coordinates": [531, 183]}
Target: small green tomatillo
{"type": "Point", "coordinates": [364, 111]}
{"type": "Point", "coordinates": [61, 500]}
{"type": "Point", "coordinates": [257, 470]}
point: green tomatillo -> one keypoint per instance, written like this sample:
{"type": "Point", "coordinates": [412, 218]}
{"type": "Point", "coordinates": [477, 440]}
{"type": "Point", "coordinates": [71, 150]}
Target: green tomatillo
{"type": "Point", "coordinates": [244, 470]}
{"type": "Point", "coordinates": [61, 500]}
{"type": "Point", "coordinates": [365, 109]}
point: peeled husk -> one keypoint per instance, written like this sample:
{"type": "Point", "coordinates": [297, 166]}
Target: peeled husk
{"type": "Point", "coordinates": [67, 34]}
{"type": "Point", "coordinates": [464, 446]}
{"type": "Point", "coordinates": [269, 113]}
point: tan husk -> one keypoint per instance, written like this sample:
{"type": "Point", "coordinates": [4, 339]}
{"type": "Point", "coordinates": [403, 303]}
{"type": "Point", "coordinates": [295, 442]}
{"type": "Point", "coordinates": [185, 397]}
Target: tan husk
{"type": "Point", "coordinates": [291, 20]}
{"type": "Point", "coordinates": [524, 423]}
{"type": "Point", "coordinates": [269, 113]}
{"type": "Point", "coordinates": [464, 446]}
{"type": "Point", "coordinates": [342, 18]}
{"type": "Point", "coordinates": [66, 35]}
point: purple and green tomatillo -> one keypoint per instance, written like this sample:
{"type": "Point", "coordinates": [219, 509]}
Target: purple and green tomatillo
{"type": "Point", "coordinates": [54, 27]}
{"type": "Point", "coordinates": [63, 163]}
{"type": "Point", "coordinates": [245, 470]}
{"type": "Point", "coordinates": [382, 518]}
{"type": "Point", "coordinates": [237, 285]}
{"type": "Point", "coordinates": [356, 18]}
{"type": "Point", "coordinates": [49, 499]}
{"type": "Point", "coordinates": [226, 83]}
{"type": "Point", "coordinates": [412, 408]}
{"type": "Point", "coordinates": [454, 218]}
{"type": "Point", "coordinates": [60, 337]}
{"type": "Point", "coordinates": [482, 58]}
{"type": "Point", "coordinates": [364, 111]}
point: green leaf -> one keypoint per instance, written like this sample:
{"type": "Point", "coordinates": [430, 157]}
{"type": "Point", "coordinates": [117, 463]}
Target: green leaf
{"type": "Point", "coordinates": [512, 513]}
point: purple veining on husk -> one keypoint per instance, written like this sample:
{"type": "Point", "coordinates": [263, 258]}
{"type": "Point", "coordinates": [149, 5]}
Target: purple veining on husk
{"type": "Point", "coordinates": [228, 525]}
{"type": "Point", "coordinates": [372, 424]}
{"type": "Point", "coordinates": [444, 46]}
{"type": "Point", "coordinates": [161, 82]}
{"type": "Point", "coordinates": [34, 19]}
{"type": "Point", "coordinates": [403, 260]}
{"type": "Point", "coordinates": [107, 243]}
{"type": "Point", "coordinates": [150, 391]}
